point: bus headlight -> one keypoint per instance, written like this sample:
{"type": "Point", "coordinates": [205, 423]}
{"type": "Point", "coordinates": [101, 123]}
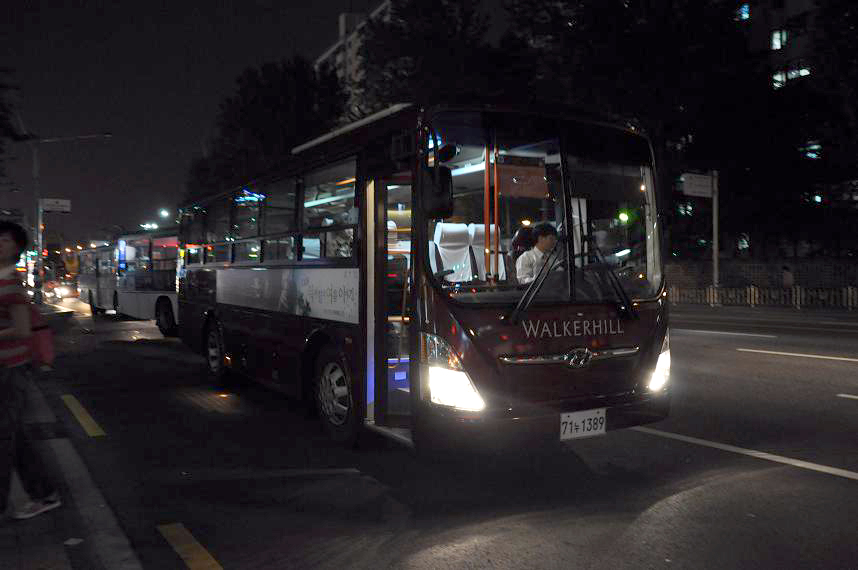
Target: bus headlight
{"type": "Point", "coordinates": [661, 374]}
{"type": "Point", "coordinates": [449, 384]}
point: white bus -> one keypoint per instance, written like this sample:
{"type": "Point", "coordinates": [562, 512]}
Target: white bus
{"type": "Point", "coordinates": [134, 276]}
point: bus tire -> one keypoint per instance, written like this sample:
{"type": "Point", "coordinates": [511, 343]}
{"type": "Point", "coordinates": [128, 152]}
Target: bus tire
{"type": "Point", "coordinates": [93, 309]}
{"type": "Point", "coordinates": [332, 392]}
{"type": "Point", "coordinates": [164, 318]}
{"type": "Point", "coordinates": [215, 354]}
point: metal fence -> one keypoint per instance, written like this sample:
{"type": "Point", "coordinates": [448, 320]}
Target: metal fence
{"type": "Point", "coordinates": [752, 296]}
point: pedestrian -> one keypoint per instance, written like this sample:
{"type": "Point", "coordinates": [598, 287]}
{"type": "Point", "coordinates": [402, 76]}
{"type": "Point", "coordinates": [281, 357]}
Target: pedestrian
{"type": "Point", "coordinates": [16, 449]}
{"type": "Point", "coordinates": [788, 277]}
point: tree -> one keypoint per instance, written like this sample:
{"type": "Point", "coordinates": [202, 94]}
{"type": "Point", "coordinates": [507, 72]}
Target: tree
{"type": "Point", "coordinates": [275, 107]}
{"type": "Point", "coordinates": [835, 72]}
{"type": "Point", "coordinates": [426, 51]}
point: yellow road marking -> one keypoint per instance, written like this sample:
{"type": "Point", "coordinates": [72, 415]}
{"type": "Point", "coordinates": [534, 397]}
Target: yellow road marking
{"type": "Point", "coordinates": [840, 358]}
{"type": "Point", "coordinates": [186, 546]}
{"type": "Point", "coordinates": [89, 425]}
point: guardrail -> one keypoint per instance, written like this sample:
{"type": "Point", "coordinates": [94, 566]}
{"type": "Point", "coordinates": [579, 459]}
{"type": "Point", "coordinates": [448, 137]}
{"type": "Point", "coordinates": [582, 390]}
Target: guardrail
{"type": "Point", "coordinates": [751, 296]}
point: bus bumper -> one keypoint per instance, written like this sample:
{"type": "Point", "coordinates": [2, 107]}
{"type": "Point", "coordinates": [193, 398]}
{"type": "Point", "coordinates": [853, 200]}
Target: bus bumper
{"type": "Point", "coordinates": [533, 424]}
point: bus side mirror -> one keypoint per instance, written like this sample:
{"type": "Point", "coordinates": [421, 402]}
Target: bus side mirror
{"type": "Point", "coordinates": [438, 192]}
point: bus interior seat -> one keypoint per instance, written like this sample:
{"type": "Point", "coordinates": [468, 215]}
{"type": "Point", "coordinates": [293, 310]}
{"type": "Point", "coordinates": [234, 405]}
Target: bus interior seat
{"type": "Point", "coordinates": [476, 232]}
{"type": "Point", "coordinates": [452, 242]}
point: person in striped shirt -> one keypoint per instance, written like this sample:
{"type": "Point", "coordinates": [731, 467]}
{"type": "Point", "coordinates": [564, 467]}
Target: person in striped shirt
{"type": "Point", "coordinates": [16, 450]}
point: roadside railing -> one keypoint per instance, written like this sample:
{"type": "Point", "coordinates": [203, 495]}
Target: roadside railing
{"type": "Point", "coordinates": [751, 296]}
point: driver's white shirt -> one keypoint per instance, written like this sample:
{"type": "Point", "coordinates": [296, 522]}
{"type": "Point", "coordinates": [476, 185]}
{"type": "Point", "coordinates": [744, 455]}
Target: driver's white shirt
{"type": "Point", "coordinates": [528, 264]}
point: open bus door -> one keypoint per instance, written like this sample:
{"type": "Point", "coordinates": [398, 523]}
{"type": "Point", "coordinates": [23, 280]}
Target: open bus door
{"type": "Point", "coordinates": [389, 265]}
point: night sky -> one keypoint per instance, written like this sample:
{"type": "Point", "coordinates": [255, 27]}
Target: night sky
{"type": "Point", "coordinates": [150, 73]}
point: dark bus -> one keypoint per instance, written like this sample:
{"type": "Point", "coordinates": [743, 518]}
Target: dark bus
{"type": "Point", "coordinates": [448, 274]}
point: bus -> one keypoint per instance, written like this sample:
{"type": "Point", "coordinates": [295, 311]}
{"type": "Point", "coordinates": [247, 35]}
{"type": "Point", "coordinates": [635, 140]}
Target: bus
{"type": "Point", "coordinates": [378, 275]}
{"type": "Point", "coordinates": [133, 276]}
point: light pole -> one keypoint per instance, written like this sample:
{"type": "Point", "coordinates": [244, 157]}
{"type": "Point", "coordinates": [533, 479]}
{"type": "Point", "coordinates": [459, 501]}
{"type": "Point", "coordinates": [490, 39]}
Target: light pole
{"type": "Point", "coordinates": [34, 142]}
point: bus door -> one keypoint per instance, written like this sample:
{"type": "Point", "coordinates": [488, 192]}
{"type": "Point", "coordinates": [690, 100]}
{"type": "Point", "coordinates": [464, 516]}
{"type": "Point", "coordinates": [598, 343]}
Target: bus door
{"type": "Point", "coordinates": [388, 352]}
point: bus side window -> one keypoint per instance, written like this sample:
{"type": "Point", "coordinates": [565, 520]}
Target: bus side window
{"type": "Point", "coordinates": [329, 196]}
{"type": "Point", "coordinates": [218, 221]}
{"type": "Point", "coordinates": [278, 210]}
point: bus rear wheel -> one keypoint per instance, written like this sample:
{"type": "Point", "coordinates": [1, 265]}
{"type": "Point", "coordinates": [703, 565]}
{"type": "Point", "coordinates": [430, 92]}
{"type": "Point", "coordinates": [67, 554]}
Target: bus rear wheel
{"type": "Point", "coordinates": [333, 395]}
{"type": "Point", "coordinates": [164, 318]}
{"type": "Point", "coordinates": [93, 309]}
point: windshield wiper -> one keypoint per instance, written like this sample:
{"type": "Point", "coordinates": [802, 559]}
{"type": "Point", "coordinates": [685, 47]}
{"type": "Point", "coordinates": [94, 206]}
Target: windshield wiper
{"type": "Point", "coordinates": [624, 306]}
{"type": "Point", "coordinates": [535, 285]}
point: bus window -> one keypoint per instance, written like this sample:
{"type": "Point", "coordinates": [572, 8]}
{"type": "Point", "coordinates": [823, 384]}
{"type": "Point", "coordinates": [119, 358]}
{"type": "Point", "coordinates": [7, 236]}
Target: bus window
{"type": "Point", "coordinates": [279, 207]}
{"type": "Point", "coordinates": [329, 196]}
{"type": "Point", "coordinates": [194, 254]}
{"type": "Point", "coordinates": [280, 249]}
{"type": "Point", "coordinates": [87, 265]}
{"type": "Point", "coordinates": [246, 214]}
{"type": "Point", "coordinates": [218, 227]}
{"type": "Point", "coordinates": [164, 254]}
{"type": "Point", "coordinates": [137, 256]}
{"type": "Point", "coordinates": [246, 251]}
{"type": "Point", "coordinates": [217, 253]}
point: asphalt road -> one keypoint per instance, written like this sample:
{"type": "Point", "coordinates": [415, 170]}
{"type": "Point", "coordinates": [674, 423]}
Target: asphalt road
{"type": "Point", "coordinates": [756, 467]}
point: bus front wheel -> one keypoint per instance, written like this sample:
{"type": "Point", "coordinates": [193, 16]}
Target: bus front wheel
{"type": "Point", "coordinates": [215, 354]}
{"type": "Point", "coordinates": [333, 395]}
{"type": "Point", "coordinates": [164, 318]}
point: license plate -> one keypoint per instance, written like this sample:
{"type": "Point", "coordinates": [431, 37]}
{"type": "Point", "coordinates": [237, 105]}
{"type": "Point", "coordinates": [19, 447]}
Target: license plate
{"type": "Point", "coordinates": [586, 423]}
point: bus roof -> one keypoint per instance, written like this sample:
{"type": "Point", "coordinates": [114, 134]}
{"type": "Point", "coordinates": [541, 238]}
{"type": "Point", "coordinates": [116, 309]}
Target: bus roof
{"type": "Point", "coordinates": [352, 126]}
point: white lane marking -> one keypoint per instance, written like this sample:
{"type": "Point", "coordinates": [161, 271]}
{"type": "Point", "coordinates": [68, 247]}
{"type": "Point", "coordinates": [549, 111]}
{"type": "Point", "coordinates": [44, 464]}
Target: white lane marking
{"type": "Point", "coordinates": [700, 331]}
{"type": "Point", "coordinates": [841, 358]}
{"type": "Point", "coordinates": [753, 453]}
{"type": "Point", "coordinates": [850, 396]}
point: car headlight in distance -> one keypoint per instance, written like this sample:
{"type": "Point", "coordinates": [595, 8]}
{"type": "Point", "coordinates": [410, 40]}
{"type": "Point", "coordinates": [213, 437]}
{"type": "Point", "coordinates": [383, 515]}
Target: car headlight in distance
{"type": "Point", "coordinates": [661, 374]}
{"type": "Point", "coordinates": [449, 384]}
{"type": "Point", "coordinates": [62, 291]}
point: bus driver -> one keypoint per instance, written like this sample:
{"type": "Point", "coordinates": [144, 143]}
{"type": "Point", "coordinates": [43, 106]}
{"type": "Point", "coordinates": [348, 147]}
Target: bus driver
{"type": "Point", "coordinates": [528, 264]}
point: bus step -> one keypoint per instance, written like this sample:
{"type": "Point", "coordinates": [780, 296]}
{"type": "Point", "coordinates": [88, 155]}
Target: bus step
{"type": "Point", "coordinates": [399, 435]}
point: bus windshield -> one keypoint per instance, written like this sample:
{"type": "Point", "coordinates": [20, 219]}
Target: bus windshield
{"type": "Point", "coordinates": [529, 192]}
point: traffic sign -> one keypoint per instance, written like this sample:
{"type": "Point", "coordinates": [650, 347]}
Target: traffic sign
{"type": "Point", "coordinates": [56, 205]}
{"type": "Point", "coordinates": [699, 185]}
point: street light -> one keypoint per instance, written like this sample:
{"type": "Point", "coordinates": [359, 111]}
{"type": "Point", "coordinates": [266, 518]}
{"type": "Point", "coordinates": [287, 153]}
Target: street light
{"type": "Point", "coordinates": [164, 212]}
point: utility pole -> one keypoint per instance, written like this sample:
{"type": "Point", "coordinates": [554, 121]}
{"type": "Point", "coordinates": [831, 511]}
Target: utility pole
{"type": "Point", "coordinates": [34, 142]}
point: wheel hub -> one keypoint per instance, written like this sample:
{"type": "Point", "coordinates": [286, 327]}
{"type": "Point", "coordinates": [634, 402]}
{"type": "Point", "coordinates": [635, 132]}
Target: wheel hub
{"type": "Point", "coordinates": [333, 394]}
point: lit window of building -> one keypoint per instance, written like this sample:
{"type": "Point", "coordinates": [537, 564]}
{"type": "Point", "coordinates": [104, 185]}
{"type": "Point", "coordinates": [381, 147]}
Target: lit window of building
{"type": "Point", "coordinates": [779, 39]}
{"type": "Point", "coordinates": [778, 79]}
{"type": "Point", "coordinates": [811, 150]}
{"type": "Point", "coordinates": [743, 12]}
